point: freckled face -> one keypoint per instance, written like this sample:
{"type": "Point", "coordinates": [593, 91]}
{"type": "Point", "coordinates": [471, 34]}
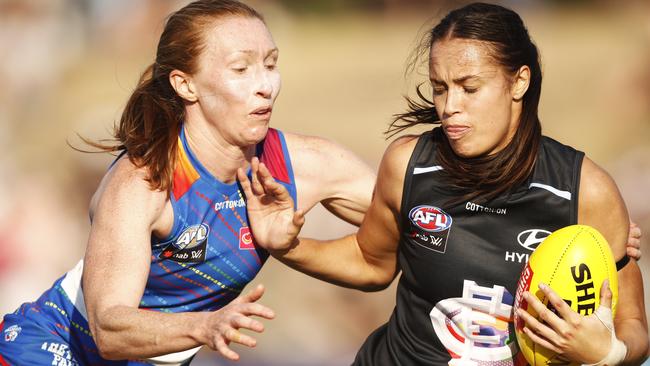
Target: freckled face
{"type": "Point", "coordinates": [473, 97]}
{"type": "Point", "coordinates": [238, 80]}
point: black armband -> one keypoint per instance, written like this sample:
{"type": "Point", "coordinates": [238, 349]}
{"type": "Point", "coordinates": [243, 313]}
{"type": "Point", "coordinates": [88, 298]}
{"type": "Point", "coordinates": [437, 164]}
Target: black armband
{"type": "Point", "coordinates": [622, 262]}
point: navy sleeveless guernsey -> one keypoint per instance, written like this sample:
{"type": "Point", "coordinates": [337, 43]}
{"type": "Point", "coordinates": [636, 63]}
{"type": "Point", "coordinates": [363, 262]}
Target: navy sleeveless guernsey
{"type": "Point", "coordinates": [461, 263]}
{"type": "Point", "coordinates": [205, 263]}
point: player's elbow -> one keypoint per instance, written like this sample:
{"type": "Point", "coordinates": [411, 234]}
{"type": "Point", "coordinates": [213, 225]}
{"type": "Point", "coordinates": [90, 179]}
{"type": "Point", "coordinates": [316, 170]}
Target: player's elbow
{"type": "Point", "coordinates": [107, 344]}
{"type": "Point", "coordinates": [375, 287]}
{"type": "Point", "coordinates": [646, 351]}
{"type": "Point", "coordinates": [378, 281]}
{"type": "Point", "coordinates": [107, 348]}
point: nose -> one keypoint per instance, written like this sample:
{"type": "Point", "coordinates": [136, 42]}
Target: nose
{"type": "Point", "coordinates": [453, 103]}
{"type": "Point", "coordinates": [264, 86]}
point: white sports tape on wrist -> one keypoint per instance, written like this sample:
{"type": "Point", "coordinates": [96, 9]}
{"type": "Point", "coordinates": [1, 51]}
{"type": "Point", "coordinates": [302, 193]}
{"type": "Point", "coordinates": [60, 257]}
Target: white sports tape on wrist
{"type": "Point", "coordinates": [618, 349]}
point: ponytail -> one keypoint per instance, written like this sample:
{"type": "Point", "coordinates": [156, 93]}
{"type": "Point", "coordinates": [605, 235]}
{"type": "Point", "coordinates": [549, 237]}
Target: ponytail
{"type": "Point", "coordinates": [149, 128]}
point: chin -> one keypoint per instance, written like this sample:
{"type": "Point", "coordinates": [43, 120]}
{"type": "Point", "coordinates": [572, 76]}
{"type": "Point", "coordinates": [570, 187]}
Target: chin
{"type": "Point", "coordinates": [463, 150]}
{"type": "Point", "coordinates": [256, 134]}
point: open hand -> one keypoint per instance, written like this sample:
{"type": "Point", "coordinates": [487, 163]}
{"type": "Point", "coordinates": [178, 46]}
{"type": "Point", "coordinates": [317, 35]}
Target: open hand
{"type": "Point", "coordinates": [273, 221]}
{"type": "Point", "coordinates": [222, 326]}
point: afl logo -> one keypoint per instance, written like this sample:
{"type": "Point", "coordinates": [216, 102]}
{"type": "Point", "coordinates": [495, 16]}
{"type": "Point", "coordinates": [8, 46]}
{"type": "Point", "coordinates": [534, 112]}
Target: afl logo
{"type": "Point", "coordinates": [189, 247]}
{"type": "Point", "coordinates": [192, 237]}
{"type": "Point", "coordinates": [429, 218]}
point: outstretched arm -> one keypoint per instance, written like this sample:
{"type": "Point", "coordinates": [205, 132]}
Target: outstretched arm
{"type": "Point", "coordinates": [116, 267]}
{"type": "Point", "coordinates": [366, 260]}
{"type": "Point", "coordinates": [327, 173]}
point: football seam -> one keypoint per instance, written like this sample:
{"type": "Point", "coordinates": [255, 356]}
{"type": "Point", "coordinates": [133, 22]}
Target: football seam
{"type": "Point", "coordinates": [602, 254]}
{"type": "Point", "coordinates": [557, 265]}
{"type": "Point", "coordinates": [604, 258]}
{"type": "Point", "coordinates": [566, 248]}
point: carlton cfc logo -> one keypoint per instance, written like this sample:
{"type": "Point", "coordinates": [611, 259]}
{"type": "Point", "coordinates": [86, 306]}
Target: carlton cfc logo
{"type": "Point", "coordinates": [429, 218]}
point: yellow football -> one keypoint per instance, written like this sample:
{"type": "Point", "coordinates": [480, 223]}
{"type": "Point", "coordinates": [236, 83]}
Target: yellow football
{"type": "Point", "coordinates": [574, 261]}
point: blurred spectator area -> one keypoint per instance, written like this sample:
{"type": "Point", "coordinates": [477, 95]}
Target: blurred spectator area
{"type": "Point", "coordinates": [68, 66]}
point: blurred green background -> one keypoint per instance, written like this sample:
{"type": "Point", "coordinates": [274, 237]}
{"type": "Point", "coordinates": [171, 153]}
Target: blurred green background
{"type": "Point", "coordinates": [68, 66]}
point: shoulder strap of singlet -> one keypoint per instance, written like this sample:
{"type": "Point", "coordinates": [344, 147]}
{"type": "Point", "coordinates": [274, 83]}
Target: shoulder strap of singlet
{"type": "Point", "coordinates": [557, 170]}
{"type": "Point", "coordinates": [185, 174]}
{"type": "Point", "coordinates": [421, 154]}
{"type": "Point", "coordinates": [122, 153]}
{"type": "Point", "coordinates": [273, 153]}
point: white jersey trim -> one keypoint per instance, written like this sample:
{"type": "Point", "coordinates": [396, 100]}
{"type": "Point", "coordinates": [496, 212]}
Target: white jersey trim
{"type": "Point", "coordinates": [174, 359]}
{"type": "Point", "coordinates": [71, 285]}
{"type": "Point", "coordinates": [428, 169]}
{"type": "Point", "coordinates": [564, 194]}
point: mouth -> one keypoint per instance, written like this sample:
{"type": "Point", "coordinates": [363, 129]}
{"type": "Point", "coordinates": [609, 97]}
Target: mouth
{"type": "Point", "coordinates": [456, 132]}
{"type": "Point", "coordinates": [262, 112]}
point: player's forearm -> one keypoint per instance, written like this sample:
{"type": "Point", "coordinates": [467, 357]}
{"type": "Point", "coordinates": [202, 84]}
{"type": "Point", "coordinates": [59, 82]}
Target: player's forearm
{"type": "Point", "coordinates": [123, 332]}
{"type": "Point", "coordinates": [635, 336]}
{"type": "Point", "coordinates": [339, 261]}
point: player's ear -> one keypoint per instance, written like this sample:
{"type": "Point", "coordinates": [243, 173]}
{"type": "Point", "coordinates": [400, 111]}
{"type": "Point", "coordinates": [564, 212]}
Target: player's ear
{"type": "Point", "coordinates": [520, 83]}
{"type": "Point", "coordinates": [183, 85]}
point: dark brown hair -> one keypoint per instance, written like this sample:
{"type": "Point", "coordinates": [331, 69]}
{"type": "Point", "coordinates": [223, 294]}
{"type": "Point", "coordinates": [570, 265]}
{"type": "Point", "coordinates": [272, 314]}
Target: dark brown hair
{"type": "Point", "coordinates": [151, 121]}
{"type": "Point", "coordinates": [484, 177]}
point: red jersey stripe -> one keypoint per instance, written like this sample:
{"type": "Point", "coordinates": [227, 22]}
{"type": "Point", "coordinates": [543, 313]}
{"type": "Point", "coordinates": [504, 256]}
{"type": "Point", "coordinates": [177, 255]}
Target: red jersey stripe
{"type": "Point", "coordinates": [273, 156]}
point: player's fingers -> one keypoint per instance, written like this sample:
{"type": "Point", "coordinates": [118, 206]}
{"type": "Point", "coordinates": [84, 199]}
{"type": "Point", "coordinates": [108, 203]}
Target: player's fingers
{"type": "Point", "coordinates": [634, 253]}
{"type": "Point", "coordinates": [271, 185]}
{"type": "Point", "coordinates": [634, 243]}
{"type": "Point", "coordinates": [541, 341]}
{"type": "Point", "coordinates": [606, 295]}
{"type": "Point", "coordinates": [552, 322]}
{"type": "Point", "coordinates": [604, 311]}
{"type": "Point", "coordinates": [299, 218]}
{"type": "Point", "coordinates": [535, 325]}
{"type": "Point", "coordinates": [561, 307]}
{"type": "Point", "coordinates": [258, 189]}
{"type": "Point", "coordinates": [257, 309]}
{"type": "Point", "coordinates": [224, 350]}
{"type": "Point", "coordinates": [249, 306]}
{"type": "Point", "coordinates": [264, 172]}
{"type": "Point", "coordinates": [245, 183]}
{"type": "Point", "coordinates": [635, 230]}
{"type": "Point", "coordinates": [252, 296]}
{"type": "Point", "coordinates": [274, 188]}
{"type": "Point", "coordinates": [237, 337]}
{"type": "Point", "coordinates": [246, 322]}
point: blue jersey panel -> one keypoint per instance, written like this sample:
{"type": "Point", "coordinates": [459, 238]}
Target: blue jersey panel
{"type": "Point", "coordinates": [211, 255]}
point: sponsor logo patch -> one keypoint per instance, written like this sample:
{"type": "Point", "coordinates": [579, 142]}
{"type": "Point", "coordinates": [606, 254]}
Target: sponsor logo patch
{"type": "Point", "coordinates": [528, 239]}
{"type": "Point", "coordinates": [189, 246]}
{"type": "Point", "coordinates": [246, 241]}
{"type": "Point", "coordinates": [531, 238]}
{"type": "Point", "coordinates": [429, 218]}
{"type": "Point", "coordinates": [475, 207]}
{"type": "Point", "coordinates": [218, 206]}
{"type": "Point", "coordinates": [12, 333]}
{"type": "Point", "coordinates": [430, 227]}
